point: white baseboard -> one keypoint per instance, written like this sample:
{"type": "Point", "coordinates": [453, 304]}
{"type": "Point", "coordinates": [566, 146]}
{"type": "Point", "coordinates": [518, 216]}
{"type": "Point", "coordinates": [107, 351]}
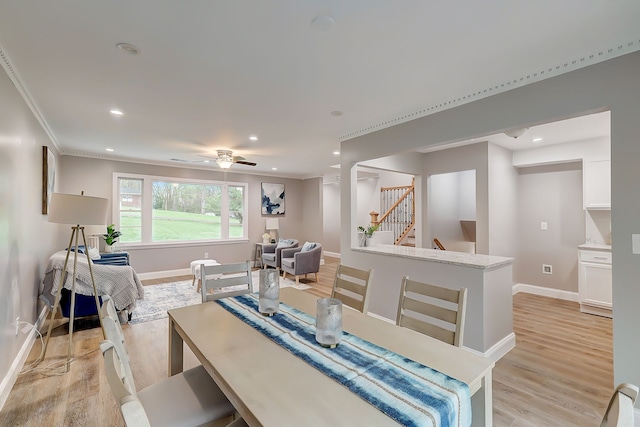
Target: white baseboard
{"type": "Point", "coordinates": [545, 292]}
{"type": "Point", "coordinates": [499, 349]}
{"type": "Point", "coordinates": [163, 274]}
{"type": "Point", "coordinates": [10, 379]}
{"type": "Point", "coordinates": [332, 254]}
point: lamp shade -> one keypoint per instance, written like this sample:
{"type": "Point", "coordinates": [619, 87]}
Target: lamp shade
{"type": "Point", "coordinates": [78, 209]}
{"type": "Point", "coordinates": [272, 224]}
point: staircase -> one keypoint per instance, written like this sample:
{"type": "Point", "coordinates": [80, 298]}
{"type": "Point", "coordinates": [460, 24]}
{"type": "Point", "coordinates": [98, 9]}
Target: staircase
{"type": "Point", "coordinates": [398, 205]}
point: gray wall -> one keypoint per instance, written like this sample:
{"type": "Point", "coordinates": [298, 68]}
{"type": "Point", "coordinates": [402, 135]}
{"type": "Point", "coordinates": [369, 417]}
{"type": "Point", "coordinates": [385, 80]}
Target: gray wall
{"type": "Point", "coordinates": [552, 194]}
{"type": "Point", "coordinates": [611, 85]}
{"type": "Point", "coordinates": [503, 193]}
{"type": "Point", "coordinates": [461, 159]}
{"type": "Point", "coordinates": [95, 177]}
{"type": "Point", "coordinates": [331, 217]}
{"type": "Point", "coordinates": [26, 238]}
{"type": "Point", "coordinates": [312, 223]}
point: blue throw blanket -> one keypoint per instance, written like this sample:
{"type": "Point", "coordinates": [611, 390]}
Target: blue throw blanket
{"type": "Point", "coordinates": [410, 393]}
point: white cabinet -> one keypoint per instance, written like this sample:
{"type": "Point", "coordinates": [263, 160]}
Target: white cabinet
{"type": "Point", "coordinates": [596, 182]}
{"type": "Point", "coordinates": [595, 282]}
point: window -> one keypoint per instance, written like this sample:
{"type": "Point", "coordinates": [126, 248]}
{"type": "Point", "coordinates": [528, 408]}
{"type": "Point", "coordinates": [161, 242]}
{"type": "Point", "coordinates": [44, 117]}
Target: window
{"type": "Point", "coordinates": [157, 210]}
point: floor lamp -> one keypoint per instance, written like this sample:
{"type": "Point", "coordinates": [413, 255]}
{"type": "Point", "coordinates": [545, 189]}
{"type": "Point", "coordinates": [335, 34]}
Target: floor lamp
{"type": "Point", "coordinates": [80, 210]}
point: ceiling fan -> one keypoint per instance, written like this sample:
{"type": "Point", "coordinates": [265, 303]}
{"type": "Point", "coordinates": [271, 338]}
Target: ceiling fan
{"type": "Point", "coordinates": [226, 158]}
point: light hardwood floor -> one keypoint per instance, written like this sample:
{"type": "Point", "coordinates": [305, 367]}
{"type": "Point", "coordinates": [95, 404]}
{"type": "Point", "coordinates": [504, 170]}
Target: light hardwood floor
{"type": "Point", "coordinates": [559, 374]}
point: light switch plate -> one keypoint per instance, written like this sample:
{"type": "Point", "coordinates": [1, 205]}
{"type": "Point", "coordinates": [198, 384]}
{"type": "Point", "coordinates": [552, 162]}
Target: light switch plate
{"type": "Point", "coordinates": [635, 244]}
{"type": "Point", "coordinates": [544, 225]}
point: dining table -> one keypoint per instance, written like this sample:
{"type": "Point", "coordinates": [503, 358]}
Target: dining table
{"type": "Point", "coordinates": [270, 386]}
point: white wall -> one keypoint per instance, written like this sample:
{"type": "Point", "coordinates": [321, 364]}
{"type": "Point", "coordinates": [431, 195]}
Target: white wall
{"type": "Point", "coordinates": [611, 85]}
{"type": "Point", "coordinates": [452, 197]}
{"type": "Point", "coordinates": [26, 238]}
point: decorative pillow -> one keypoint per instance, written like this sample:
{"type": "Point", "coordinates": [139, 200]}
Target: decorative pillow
{"type": "Point", "coordinates": [94, 253]}
{"type": "Point", "coordinates": [284, 242]}
{"type": "Point", "coordinates": [308, 246]}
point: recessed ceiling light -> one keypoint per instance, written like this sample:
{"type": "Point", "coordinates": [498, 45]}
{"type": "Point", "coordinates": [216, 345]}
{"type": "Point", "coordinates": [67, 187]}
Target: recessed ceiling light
{"type": "Point", "coordinates": [274, 169]}
{"type": "Point", "coordinates": [116, 112]}
{"type": "Point", "coordinates": [536, 140]}
{"type": "Point", "coordinates": [336, 153]}
{"type": "Point", "coordinates": [253, 138]}
{"type": "Point", "coordinates": [322, 23]}
{"type": "Point", "coordinates": [128, 48]}
{"type": "Point", "coordinates": [109, 149]}
{"type": "Point", "coordinates": [336, 113]}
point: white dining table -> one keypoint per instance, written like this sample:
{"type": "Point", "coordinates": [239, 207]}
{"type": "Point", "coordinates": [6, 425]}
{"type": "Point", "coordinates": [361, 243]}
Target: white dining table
{"type": "Point", "coordinates": [269, 386]}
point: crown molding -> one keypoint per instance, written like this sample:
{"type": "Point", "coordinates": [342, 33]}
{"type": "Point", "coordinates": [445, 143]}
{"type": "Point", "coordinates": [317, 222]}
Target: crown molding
{"type": "Point", "coordinates": [15, 78]}
{"type": "Point", "coordinates": [535, 76]}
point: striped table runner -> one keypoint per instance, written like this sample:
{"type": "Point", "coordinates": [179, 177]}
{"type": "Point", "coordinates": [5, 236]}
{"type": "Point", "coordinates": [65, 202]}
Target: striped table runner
{"type": "Point", "coordinates": [410, 393]}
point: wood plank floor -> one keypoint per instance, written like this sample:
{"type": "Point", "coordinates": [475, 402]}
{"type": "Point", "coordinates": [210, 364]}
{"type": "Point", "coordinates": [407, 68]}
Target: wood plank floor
{"type": "Point", "coordinates": [559, 374]}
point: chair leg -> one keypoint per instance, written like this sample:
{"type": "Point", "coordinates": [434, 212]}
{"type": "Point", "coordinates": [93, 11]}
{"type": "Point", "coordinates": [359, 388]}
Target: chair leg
{"type": "Point", "coordinates": [297, 280]}
{"type": "Point", "coordinates": [316, 274]}
{"type": "Point", "coordinates": [193, 282]}
{"type": "Point", "coordinates": [284, 274]}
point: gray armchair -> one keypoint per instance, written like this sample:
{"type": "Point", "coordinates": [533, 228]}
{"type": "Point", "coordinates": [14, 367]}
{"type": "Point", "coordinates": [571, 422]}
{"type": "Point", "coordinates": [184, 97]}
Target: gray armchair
{"type": "Point", "coordinates": [297, 262]}
{"type": "Point", "coordinates": [271, 253]}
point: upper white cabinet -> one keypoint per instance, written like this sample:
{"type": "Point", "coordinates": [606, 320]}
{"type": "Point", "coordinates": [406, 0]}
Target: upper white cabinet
{"type": "Point", "coordinates": [596, 183]}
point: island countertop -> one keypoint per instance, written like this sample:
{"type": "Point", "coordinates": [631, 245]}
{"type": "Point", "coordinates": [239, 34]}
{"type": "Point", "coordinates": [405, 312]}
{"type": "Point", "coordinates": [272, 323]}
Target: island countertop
{"type": "Point", "coordinates": [434, 255]}
{"type": "Point", "coordinates": [595, 247]}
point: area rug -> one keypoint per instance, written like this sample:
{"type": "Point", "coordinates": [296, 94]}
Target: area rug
{"type": "Point", "coordinates": [160, 298]}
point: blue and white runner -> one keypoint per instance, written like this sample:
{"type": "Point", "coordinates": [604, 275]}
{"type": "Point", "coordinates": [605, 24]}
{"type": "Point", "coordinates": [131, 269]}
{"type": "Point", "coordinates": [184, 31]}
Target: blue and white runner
{"type": "Point", "coordinates": [410, 393]}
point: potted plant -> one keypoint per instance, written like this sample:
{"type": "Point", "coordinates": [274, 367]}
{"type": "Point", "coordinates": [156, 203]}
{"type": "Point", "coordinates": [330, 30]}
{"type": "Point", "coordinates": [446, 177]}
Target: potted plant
{"type": "Point", "coordinates": [365, 233]}
{"type": "Point", "coordinates": [111, 237]}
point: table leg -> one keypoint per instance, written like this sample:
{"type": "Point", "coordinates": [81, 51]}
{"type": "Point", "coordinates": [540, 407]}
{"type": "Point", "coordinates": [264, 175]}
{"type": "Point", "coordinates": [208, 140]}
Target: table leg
{"type": "Point", "coordinates": [482, 403]}
{"type": "Point", "coordinates": [176, 363]}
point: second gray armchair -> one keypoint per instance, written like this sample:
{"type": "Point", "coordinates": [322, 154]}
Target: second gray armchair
{"type": "Point", "coordinates": [271, 253]}
{"type": "Point", "coordinates": [302, 261]}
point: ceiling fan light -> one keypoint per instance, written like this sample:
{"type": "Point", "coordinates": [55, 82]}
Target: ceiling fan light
{"type": "Point", "coordinates": [225, 159]}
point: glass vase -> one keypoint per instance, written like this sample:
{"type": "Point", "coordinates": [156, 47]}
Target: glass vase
{"type": "Point", "coordinates": [269, 292]}
{"type": "Point", "coordinates": [329, 322]}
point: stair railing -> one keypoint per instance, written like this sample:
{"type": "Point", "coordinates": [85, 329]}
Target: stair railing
{"type": "Point", "coordinates": [398, 205]}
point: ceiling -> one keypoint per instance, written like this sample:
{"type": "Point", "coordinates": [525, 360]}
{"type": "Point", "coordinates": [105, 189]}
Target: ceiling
{"type": "Point", "coordinates": [302, 76]}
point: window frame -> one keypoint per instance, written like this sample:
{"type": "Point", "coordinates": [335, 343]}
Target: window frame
{"type": "Point", "coordinates": [147, 209]}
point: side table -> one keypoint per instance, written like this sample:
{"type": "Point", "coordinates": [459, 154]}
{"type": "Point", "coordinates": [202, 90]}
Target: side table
{"type": "Point", "coordinates": [257, 260]}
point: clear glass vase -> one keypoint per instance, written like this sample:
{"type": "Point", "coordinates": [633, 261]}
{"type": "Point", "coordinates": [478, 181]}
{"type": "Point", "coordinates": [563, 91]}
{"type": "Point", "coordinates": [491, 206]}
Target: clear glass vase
{"type": "Point", "coordinates": [329, 322]}
{"type": "Point", "coordinates": [269, 292]}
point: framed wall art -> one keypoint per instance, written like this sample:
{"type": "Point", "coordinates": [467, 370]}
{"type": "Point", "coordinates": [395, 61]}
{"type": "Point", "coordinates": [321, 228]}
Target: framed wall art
{"type": "Point", "coordinates": [272, 199]}
{"type": "Point", "coordinates": [48, 177]}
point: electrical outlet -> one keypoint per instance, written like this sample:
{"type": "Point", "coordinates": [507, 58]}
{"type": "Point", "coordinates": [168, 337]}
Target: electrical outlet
{"type": "Point", "coordinates": [17, 326]}
{"type": "Point", "coordinates": [206, 255]}
{"type": "Point", "coordinates": [547, 269]}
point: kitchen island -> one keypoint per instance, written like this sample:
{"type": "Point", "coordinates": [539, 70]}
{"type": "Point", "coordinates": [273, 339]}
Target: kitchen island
{"type": "Point", "coordinates": [489, 280]}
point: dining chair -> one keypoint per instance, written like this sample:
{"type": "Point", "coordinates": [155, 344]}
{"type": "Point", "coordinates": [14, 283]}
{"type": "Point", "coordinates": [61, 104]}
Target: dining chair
{"type": "Point", "coordinates": [190, 398]}
{"type": "Point", "coordinates": [620, 411]}
{"type": "Point", "coordinates": [351, 286]}
{"type": "Point", "coordinates": [432, 310]}
{"type": "Point", "coordinates": [226, 280]}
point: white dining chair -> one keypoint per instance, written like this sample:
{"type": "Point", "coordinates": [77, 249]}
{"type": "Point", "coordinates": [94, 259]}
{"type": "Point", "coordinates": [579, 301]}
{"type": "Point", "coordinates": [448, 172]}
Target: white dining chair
{"type": "Point", "coordinates": [620, 411]}
{"type": "Point", "coordinates": [421, 303]}
{"type": "Point", "coordinates": [190, 398]}
{"type": "Point", "coordinates": [351, 286]}
{"type": "Point", "coordinates": [226, 280]}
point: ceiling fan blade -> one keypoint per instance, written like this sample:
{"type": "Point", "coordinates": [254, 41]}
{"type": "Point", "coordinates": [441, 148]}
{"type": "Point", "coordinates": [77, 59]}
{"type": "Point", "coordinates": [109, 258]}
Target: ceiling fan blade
{"type": "Point", "coordinates": [244, 162]}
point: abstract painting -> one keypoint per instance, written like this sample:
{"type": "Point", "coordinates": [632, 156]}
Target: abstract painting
{"type": "Point", "coordinates": [272, 199]}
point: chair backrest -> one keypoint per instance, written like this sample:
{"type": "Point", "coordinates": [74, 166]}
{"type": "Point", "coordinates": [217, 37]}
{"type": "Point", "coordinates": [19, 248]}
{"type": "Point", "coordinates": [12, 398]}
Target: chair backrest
{"type": "Point", "coordinates": [113, 333]}
{"type": "Point", "coordinates": [433, 310]}
{"type": "Point", "coordinates": [225, 280]}
{"type": "Point", "coordinates": [122, 386]}
{"type": "Point", "coordinates": [620, 412]}
{"type": "Point", "coordinates": [351, 286]}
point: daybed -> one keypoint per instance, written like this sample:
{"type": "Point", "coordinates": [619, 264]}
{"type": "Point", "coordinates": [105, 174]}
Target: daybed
{"type": "Point", "coordinates": [118, 281]}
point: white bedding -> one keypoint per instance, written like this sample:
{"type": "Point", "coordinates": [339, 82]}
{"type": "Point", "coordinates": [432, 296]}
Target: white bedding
{"type": "Point", "coordinates": [119, 281]}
